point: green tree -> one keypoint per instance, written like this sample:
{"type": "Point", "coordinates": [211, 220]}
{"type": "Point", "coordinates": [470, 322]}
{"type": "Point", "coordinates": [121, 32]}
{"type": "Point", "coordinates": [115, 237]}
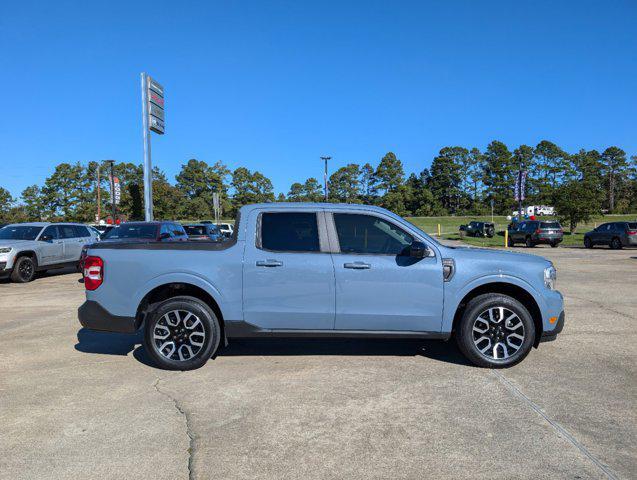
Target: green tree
{"type": "Point", "coordinates": [389, 181]}
{"type": "Point", "coordinates": [344, 184]}
{"type": "Point", "coordinates": [66, 192]}
{"type": "Point", "coordinates": [6, 203]}
{"type": "Point", "coordinates": [198, 181]}
{"type": "Point", "coordinates": [419, 200]}
{"type": "Point", "coordinates": [499, 173]}
{"type": "Point", "coordinates": [250, 188]}
{"type": "Point", "coordinates": [471, 179]}
{"type": "Point", "coordinates": [389, 174]}
{"type": "Point", "coordinates": [579, 199]}
{"type": "Point", "coordinates": [551, 166]}
{"type": "Point", "coordinates": [446, 177]}
{"type": "Point", "coordinates": [368, 184]}
{"type": "Point", "coordinates": [615, 169]}
{"type": "Point", "coordinates": [33, 202]}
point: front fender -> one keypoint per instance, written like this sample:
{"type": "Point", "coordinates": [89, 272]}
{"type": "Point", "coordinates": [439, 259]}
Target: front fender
{"type": "Point", "coordinates": [453, 297]}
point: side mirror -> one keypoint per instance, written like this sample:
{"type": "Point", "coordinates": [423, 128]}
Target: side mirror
{"type": "Point", "coordinates": [46, 238]}
{"type": "Point", "coordinates": [164, 236]}
{"type": "Point", "coordinates": [418, 250]}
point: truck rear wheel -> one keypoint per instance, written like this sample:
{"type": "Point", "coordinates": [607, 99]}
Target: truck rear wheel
{"type": "Point", "coordinates": [495, 331]}
{"type": "Point", "coordinates": [182, 333]}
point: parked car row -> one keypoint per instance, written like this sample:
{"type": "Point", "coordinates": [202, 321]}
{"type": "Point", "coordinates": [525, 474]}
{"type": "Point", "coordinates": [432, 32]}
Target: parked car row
{"type": "Point", "coordinates": [29, 248]}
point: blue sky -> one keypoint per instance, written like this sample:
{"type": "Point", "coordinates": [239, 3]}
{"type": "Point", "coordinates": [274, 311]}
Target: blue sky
{"type": "Point", "coordinates": [273, 85]}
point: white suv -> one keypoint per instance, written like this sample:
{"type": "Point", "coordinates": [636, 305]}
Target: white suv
{"type": "Point", "coordinates": [26, 248]}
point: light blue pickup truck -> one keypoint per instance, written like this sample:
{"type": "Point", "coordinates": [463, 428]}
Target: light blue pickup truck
{"type": "Point", "coordinates": [320, 270]}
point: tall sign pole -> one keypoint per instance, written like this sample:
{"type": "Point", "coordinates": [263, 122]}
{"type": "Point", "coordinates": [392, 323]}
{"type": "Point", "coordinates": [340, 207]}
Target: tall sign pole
{"type": "Point", "coordinates": [152, 119]}
{"type": "Point", "coordinates": [325, 159]}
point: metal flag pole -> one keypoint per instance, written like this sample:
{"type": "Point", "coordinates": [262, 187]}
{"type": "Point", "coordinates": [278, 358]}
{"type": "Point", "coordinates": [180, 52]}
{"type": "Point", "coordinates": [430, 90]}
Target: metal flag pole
{"type": "Point", "coordinates": [148, 168]}
{"type": "Point", "coordinates": [325, 159]}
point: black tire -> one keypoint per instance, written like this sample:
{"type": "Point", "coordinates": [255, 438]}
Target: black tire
{"type": "Point", "coordinates": [209, 326]}
{"type": "Point", "coordinates": [23, 269]}
{"type": "Point", "coordinates": [588, 243]}
{"type": "Point", "coordinates": [529, 243]}
{"type": "Point", "coordinates": [510, 242]}
{"type": "Point", "coordinates": [476, 307]}
{"type": "Point", "coordinates": [616, 244]}
{"type": "Point", "coordinates": [553, 244]}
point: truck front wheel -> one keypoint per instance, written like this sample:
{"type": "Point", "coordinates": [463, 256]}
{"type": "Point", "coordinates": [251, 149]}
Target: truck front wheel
{"type": "Point", "coordinates": [495, 331]}
{"type": "Point", "coordinates": [182, 333]}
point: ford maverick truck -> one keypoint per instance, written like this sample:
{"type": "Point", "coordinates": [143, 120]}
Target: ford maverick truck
{"type": "Point", "coordinates": [320, 270]}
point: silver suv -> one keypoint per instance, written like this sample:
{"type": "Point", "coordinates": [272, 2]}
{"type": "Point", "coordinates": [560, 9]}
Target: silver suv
{"type": "Point", "coordinates": [26, 248]}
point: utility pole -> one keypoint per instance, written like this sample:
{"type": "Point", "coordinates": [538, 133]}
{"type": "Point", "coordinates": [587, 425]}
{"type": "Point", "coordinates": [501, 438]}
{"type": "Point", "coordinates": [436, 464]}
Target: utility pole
{"type": "Point", "coordinates": [325, 159]}
{"type": "Point", "coordinates": [99, 201]}
{"type": "Point", "coordinates": [112, 181]}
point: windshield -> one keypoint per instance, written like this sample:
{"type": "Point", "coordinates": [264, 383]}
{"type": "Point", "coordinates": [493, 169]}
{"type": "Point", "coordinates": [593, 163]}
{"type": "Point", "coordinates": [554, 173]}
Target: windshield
{"type": "Point", "coordinates": [135, 230]}
{"type": "Point", "coordinates": [11, 232]}
{"type": "Point", "coordinates": [555, 225]}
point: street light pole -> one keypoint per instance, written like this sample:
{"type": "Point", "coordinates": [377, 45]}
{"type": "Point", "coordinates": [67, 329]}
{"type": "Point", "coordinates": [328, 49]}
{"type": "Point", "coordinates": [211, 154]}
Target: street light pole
{"type": "Point", "coordinates": [325, 159]}
{"type": "Point", "coordinates": [99, 201]}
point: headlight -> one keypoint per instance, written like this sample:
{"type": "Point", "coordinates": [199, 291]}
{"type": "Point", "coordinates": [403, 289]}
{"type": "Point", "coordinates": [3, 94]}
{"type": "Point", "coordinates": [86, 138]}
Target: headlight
{"type": "Point", "coordinates": [5, 249]}
{"type": "Point", "coordinates": [550, 277]}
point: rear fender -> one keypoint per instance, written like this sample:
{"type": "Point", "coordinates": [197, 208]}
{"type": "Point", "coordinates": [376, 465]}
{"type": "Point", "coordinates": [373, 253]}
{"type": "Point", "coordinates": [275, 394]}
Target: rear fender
{"type": "Point", "coordinates": [180, 277]}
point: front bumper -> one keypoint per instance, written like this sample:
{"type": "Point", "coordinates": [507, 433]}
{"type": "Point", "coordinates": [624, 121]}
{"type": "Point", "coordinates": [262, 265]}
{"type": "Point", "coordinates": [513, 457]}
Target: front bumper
{"type": "Point", "coordinates": [95, 317]}
{"type": "Point", "coordinates": [4, 271]}
{"type": "Point", "coordinates": [550, 335]}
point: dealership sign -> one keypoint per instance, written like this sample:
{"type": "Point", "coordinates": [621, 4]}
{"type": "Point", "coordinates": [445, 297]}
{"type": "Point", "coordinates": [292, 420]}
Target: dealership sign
{"type": "Point", "coordinates": [116, 190]}
{"type": "Point", "coordinates": [155, 106]}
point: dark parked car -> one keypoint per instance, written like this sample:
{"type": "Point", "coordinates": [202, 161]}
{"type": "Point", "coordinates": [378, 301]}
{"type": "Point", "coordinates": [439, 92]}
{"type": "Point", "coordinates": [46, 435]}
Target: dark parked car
{"type": "Point", "coordinates": [615, 234]}
{"type": "Point", "coordinates": [142, 232]}
{"type": "Point", "coordinates": [204, 231]}
{"type": "Point", "coordinates": [534, 232]}
{"type": "Point", "coordinates": [478, 229]}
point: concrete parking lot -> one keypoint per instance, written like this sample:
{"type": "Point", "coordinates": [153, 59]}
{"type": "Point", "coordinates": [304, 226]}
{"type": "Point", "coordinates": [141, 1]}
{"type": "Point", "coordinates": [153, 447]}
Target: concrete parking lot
{"type": "Point", "coordinates": [78, 404]}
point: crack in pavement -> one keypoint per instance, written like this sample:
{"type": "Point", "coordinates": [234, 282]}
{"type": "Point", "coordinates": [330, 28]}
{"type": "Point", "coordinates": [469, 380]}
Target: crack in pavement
{"type": "Point", "coordinates": [186, 415]}
{"type": "Point", "coordinates": [601, 305]}
{"type": "Point", "coordinates": [559, 428]}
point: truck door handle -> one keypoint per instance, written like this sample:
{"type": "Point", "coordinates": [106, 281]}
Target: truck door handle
{"type": "Point", "coordinates": [269, 263]}
{"type": "Point", "coordinates": [357, 265]}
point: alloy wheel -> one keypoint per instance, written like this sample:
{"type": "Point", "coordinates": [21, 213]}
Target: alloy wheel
{"type": "Point", "coordinates": [179, 335]}
{"type": "Point", "coordinates": [25, 269]}
{"type": "Point", "coordinates": [498, 333]}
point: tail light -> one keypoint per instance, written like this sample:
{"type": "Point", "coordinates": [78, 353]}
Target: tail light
{"type": "Point", "coordinates": [93, 272]}
{"type": "Point", "coordinates": [632, 232]}
{"type": "Point", "coordinates": [537, 231]}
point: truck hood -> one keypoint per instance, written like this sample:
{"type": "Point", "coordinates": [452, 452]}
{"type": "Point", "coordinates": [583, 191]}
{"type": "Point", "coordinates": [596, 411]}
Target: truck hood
{"type": "Point", "coordinates": [502, 258]}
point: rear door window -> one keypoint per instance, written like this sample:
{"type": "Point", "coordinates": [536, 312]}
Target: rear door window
{"type": "Point", "coordinates": [81, 231]}
{"type": "Point", "coordinates": [289, 232]}
{"type": "Point", "coordinates": [67, 231]}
